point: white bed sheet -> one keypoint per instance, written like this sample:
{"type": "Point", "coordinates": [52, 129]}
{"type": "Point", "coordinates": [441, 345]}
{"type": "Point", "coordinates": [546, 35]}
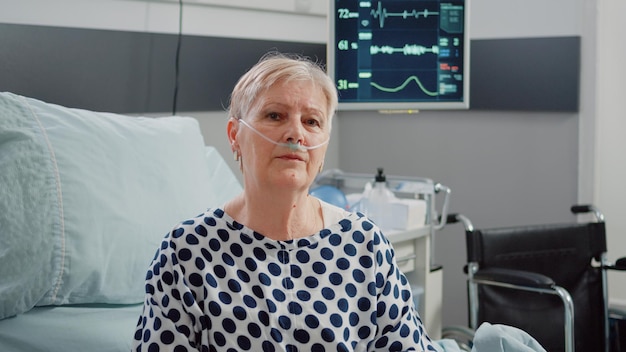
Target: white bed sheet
{"type": "Point", "coordinates": [94, 328]}
{"type": "Point", "coordinates": [110, 328]}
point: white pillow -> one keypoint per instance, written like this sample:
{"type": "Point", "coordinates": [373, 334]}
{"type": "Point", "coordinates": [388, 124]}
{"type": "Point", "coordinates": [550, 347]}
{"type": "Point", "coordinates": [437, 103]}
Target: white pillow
{"type": "Point", "coordinates": [86, 198]}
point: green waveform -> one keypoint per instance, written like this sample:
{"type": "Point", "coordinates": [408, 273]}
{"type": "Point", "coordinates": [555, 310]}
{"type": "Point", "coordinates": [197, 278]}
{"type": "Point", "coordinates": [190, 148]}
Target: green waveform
{"type": "Point", "coordinates": [403, 85]}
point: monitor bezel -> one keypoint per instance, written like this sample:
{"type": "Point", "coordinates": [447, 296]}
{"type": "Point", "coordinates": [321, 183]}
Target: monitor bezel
{"type": "Point", "coordinates": [400, 106]}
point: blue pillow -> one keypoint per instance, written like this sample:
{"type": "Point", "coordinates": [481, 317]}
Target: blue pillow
{"type": "Point", "coordinates": [331, 195]}
{"type": "Point", "coordinates": [86, 198]}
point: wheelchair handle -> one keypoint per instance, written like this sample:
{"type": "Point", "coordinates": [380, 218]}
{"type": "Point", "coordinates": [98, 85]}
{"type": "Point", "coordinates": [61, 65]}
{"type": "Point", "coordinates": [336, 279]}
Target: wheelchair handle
{"type": "Point", "coordinates": [455, 217]}
{"type": "Point", "coordinates": [581, 208]}
{"type": "Point", "coordinates": [443, 217]}
{"type": "Point", "coordinates": [587, 208]}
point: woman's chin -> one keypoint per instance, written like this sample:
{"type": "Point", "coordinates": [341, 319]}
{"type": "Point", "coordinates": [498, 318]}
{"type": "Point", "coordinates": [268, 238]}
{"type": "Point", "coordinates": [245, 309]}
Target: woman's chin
{"type": "Point", "coordinates": [293, 178]}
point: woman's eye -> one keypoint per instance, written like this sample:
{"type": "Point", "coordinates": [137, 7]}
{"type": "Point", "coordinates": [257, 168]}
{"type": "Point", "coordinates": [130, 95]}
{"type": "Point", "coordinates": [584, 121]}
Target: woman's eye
{"type": "Point", "coordinates": [312, 122]}
{"type": "Point", "coordinates": [273, 115]}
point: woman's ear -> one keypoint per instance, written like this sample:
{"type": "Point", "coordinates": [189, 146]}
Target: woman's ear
{"type": "Point", "coordinates": [232, 128]}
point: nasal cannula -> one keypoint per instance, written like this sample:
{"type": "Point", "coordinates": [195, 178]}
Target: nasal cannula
{"type": "Point", "coordinates": [293, 146]}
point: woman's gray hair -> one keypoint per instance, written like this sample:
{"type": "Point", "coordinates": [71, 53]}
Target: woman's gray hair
{"type": "Point", "coordinates": [275, 67]}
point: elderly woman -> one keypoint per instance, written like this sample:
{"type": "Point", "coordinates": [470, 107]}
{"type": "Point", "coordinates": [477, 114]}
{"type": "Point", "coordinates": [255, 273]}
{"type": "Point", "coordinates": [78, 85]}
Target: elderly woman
{"type": "Point", "coordinates": [276, 269]}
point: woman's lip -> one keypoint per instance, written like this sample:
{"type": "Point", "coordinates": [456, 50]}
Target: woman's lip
{"type": "Point", "coordinates": [291, 157]}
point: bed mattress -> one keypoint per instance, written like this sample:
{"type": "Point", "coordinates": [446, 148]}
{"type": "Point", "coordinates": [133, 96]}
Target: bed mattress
{"type": "Point", "coordinates": [94, 328]}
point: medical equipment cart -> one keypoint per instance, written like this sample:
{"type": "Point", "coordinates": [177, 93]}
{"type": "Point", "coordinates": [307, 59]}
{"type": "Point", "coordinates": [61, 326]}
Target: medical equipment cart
{"type": "Point", "coordinates": [414, 247]}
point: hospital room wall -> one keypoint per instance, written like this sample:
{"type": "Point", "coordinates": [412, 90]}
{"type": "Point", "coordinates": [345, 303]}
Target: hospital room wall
{"type": "Point", "coordinates": [504, 167]}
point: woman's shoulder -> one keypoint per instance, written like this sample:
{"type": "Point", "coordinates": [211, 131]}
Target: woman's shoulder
{"type": "Point", "coordinates": [348, 221]}
{"type": "Point", "coordinates": [212, 218]}
{"type": "Point", "coordinates": [216, 213]}
{"type": "Point", "coordinates": [333, 214]}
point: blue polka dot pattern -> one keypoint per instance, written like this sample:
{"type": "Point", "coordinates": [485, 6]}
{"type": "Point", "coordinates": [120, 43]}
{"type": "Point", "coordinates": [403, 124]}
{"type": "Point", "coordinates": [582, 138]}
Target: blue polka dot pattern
{"type": "Point", "coordinates": [216, 285]}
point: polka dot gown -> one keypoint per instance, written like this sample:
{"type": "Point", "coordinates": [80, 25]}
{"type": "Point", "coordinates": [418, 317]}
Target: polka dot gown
{"type": "Point", "coordinates": [216, 285]}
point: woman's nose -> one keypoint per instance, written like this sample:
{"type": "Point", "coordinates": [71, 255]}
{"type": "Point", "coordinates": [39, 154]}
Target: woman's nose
{"type": "Point", "coordinates": [295, 132]}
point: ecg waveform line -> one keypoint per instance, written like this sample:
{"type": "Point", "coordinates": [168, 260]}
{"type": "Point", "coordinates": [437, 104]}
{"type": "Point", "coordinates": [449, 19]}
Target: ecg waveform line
{"type": "Point", "coordinates": [407, 49]}
{"type": "Point", "coordinates": [381, 13]}
{"type": "Point", "coordinates": [403, 85]}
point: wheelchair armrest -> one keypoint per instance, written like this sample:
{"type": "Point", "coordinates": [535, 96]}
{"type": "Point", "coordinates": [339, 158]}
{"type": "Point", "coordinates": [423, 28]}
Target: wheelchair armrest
{"type": "Point", "coordinates": [620, 264]}
{"type": "Point", "coordinates": [515, 277]}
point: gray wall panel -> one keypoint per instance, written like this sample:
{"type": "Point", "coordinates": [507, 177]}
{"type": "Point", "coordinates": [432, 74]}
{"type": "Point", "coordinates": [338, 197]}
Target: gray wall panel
{"type": "Point", "coordinates": [526, 74]}
{"type": "Point", "coordinates": [133, 72]}
{"type": "Point", "coordinates": [128, 72]}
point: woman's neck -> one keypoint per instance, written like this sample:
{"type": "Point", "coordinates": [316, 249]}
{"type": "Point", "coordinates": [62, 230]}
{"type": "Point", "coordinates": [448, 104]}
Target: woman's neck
{"type": "Point", "coordinates": [279, 217]}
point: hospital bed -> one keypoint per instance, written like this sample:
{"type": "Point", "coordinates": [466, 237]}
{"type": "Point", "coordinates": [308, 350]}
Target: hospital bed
{"type": "Point", "coordinates": [85, 200]}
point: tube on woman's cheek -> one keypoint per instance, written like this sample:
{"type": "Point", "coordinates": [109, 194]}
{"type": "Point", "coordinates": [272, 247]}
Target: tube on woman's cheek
{"type": "Point", "coordinates": [293, 146]}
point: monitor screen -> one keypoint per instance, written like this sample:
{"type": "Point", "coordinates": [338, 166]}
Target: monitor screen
{"type": "Point", "coordinates": [399, 55]}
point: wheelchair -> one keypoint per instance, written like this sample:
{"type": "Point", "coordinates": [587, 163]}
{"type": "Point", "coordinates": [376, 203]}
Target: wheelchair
{"type": "Point", "coordinates": [549, 280]}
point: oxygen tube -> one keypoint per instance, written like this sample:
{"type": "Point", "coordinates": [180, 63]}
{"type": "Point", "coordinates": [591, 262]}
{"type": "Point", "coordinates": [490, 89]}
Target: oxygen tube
{"type": "Point", "coordinates": [293, 146]}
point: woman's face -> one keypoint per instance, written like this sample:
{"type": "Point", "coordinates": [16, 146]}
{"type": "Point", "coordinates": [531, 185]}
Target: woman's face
{"type": "Point", "coordinates": [287, 112]}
